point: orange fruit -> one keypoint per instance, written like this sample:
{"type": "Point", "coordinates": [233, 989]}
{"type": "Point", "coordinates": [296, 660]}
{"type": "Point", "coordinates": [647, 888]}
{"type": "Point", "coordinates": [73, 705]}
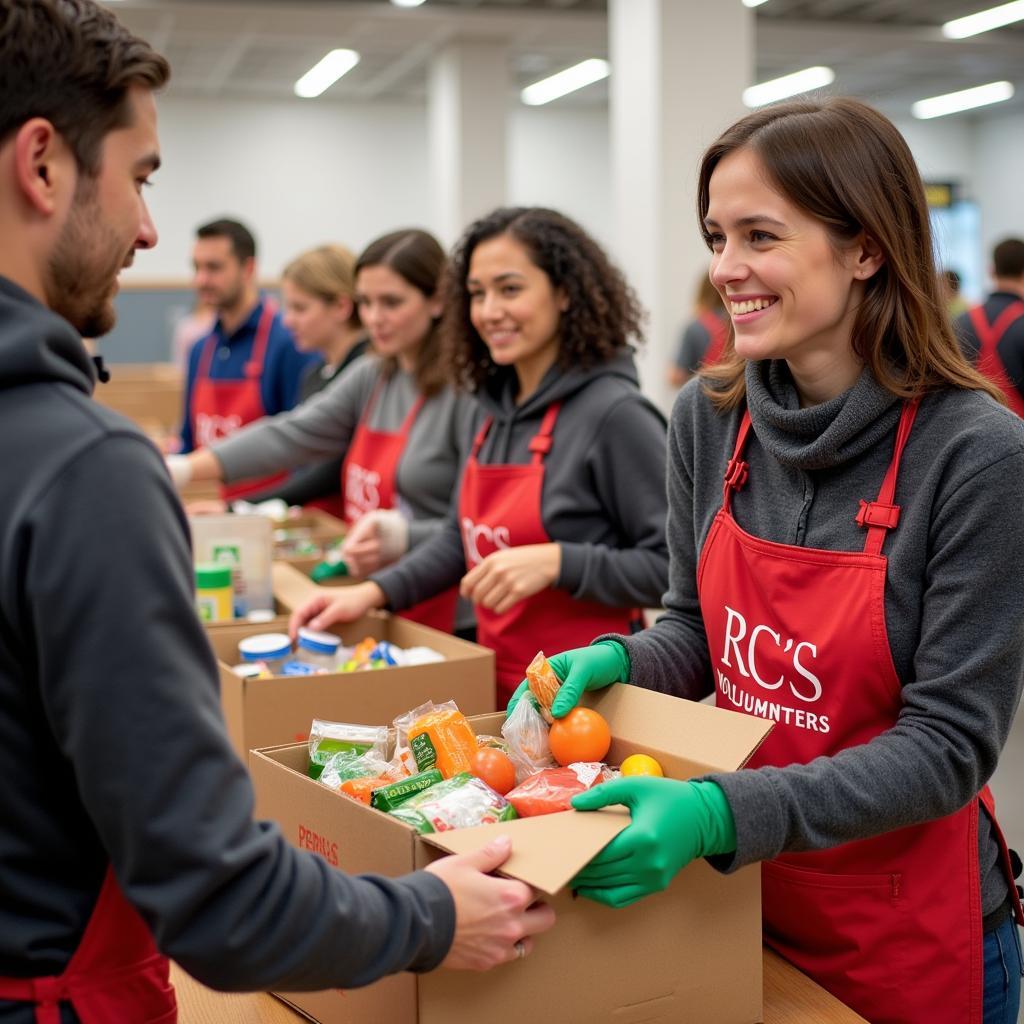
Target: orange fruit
{"type": "Point", "coordinates": [641, 764]}
{"type": "Point", "coordinates": [493, 767]}
{"type": "Point", "coordinates": [583, 735]}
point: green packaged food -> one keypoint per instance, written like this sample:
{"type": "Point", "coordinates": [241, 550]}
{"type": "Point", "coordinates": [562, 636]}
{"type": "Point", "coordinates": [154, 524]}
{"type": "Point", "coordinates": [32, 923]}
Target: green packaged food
{"type": "Point", "coordinates": [413, 818]}
{"type": "Point", "coordinates": [387, 798]}
{"type": "Point", "coordinates": [459, 802]}
{"type": "Point", "coordinates": [329, 738]}
{"type": "Point", "coordinates": [350, 764]}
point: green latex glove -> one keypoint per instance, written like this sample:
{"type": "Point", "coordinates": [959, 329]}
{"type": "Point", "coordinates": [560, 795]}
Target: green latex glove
{"type": "Point", "coordinates": [673, 823]}
{"type": "Point", "coordinates": [583, 668]}
{"type": "Point", "coordinates": [328, 570]}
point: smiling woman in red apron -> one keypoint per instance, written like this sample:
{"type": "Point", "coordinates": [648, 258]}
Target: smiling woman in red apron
{"type": "Point", "coordinates": [846, 546]}
{"type": "Point", "coordinates": [557, 529]}
{"type": "Point", "coordinates": [391, 417]}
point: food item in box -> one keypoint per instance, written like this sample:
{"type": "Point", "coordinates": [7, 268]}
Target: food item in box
{"type": "Point", "coordinates": [527, 736]}
{"type": "Point", "coordinates": [270, 649]}
{"type": "Point", "coordinates": [583, 735]}
{"type": "Point", "coordinates": [459, 802]}
{"type": "Point", "coordinates": [552, 789]}
{"type": "Point", "coordinates": [388, 797]}
{"type": "Point", "coordinates": [327, 738]}
{"type": "Point", "coordinates": [543, 683]}
{"type": "Point", "coordinates": [495, 768]}
{"type": "Point", "coordinates": [350, 764]}
{"type": "Point", "coordinates": [361, 789]}
{"type": "Point", "coordinates": [641, 764]}
{"type": "Point", "coordinates": [442, 738]}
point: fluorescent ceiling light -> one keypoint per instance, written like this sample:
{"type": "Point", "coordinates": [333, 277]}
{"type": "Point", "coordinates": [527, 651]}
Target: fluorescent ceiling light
{"type": "Point", "coordinates": [966, 99]}
{"type": "Point", "coordinates": [324, 74]}
{"type": "Point", "coordinates": [754, 3]}
{"type": "Point", "coordinates": [569, 80]}
{"type": "Point", "coordinates": [788, 85]}
{"type": "Point", "coordinates": [407, 3]}
{"type": "Point", "coordinates": [984, 21]}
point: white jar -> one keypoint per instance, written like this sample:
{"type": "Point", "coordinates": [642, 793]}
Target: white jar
{"type": "Point", "coordinates": [318, 649]}
{"type": "Point", "coordinates": [272, 648]}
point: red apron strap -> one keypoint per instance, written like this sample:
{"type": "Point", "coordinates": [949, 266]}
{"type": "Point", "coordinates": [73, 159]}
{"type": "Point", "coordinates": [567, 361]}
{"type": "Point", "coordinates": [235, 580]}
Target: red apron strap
{"type": "Point", "coordinates": [541, 443]}
{"type": "Point", "coordinates": [1014, 311]}
{"type": "Point", "coordinates": [254, 368]}
{"type": "Point", "coordinates": [410, 417]}
{"type": "Point", "coordinates": [481, 434]}
{"type": "Point", "coordinates": [737, 471]}
{"type": "Point", "coordinates": [881, 514]}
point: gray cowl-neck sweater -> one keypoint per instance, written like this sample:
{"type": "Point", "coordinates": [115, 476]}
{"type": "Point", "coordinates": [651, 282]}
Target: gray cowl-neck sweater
{"type": "Point", "coordinates": [954, 596]}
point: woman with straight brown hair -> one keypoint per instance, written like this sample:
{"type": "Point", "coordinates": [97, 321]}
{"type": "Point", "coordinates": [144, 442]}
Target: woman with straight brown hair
{"type": "Point", "coordinates": [391, 416]}
{"type": "Point", "coordinates": [846, 543]}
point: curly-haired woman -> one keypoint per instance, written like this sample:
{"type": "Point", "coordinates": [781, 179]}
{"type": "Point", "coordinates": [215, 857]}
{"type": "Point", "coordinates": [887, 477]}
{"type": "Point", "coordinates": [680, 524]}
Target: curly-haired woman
{"type": "Point", "coordinates": [557, 529]}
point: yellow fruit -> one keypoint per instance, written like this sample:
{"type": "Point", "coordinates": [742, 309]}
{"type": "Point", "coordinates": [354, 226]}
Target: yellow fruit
{"type": "Point", "coordinates": [641, 764]}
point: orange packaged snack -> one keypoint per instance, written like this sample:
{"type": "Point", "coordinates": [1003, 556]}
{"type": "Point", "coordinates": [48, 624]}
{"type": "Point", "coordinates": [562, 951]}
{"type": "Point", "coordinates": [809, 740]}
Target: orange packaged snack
{"type": "Point", "coordinates": [442, 739]}
{"type": "Point", "coordinates": [361, 789]}
{"type": "Point", "coordinates": [543, 684]}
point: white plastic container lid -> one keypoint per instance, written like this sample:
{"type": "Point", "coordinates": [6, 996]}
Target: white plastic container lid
{"type": "Point", "coordinates": [321, 643]}
{"type": "Point", "coordinates": [265, 647]}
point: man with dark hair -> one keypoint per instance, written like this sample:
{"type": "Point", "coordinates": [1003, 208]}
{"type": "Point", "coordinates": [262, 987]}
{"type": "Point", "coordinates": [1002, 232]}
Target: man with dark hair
{"type": "Point", "coordinates": [992, 335]}
{"type": "Point", "coordinates": [248, 366]}
{"type": "Point", "coordinates": [126, 831]}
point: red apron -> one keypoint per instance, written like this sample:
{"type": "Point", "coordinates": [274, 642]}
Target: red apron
{"type": "Point", "coordinates": [501, 507]}
{"type": "Point", "coordinates": [220, 407]}
{"type": "Point", "coordinates": [989, 363]}
{"type": "Point", "coordinates": [891, 925]}
{"type": "Point", "coordinates": [115, 974]}
{"type": "Point", "coordinates": [369, 481]}
{"type": "Point", "coordinates": [718, 331]}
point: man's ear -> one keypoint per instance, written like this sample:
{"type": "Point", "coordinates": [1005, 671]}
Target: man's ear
{"type": "Point", "coordinates": [868, 258]}
{"type": "Point", "coordinates": [44, 168]}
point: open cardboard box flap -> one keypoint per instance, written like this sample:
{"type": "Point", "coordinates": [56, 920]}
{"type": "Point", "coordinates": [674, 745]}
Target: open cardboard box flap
{"type": "Point", "coordinates": [291, 587]}
{"type": "Point", "coordinates": [546, 851]}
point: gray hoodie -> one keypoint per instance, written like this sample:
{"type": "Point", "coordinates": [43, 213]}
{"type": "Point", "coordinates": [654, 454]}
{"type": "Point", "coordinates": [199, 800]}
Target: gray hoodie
{"type": "Point", "coordinates": [112, 743]}
{"type": "Point", "coordinates": [603, 499]}
{"type": "Point", "coordinates": [954, 596]}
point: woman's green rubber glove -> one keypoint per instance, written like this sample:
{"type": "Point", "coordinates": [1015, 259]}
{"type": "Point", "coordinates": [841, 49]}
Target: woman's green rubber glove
{"type": "Point", "coordinates": [583, 668]}
{"type": "Point", "coordinates": [673, 823]}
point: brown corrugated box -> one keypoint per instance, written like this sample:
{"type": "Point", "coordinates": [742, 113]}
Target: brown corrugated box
{"type": "Point", "coordinates": [262, 712]}
{"type": "Point", "coordinates": [324, 528]}
{"type": "Point", "coordinates": [690, 954]}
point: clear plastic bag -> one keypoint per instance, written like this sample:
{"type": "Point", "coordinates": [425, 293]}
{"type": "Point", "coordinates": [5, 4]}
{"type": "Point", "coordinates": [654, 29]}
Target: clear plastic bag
{"type": "Point", "coordinates": [527, 736]}
{"type": "Point", "coordinates": [328, 738]}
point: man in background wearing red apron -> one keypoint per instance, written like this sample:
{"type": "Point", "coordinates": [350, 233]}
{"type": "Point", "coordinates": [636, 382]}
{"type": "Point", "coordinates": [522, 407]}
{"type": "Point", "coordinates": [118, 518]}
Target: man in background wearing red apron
{"type": "Point", "coordinates": [247, 367]}
{"type": "Point", "coordinates": [992, 335]}
{"type": "Point", "coordinates": [126, 829]}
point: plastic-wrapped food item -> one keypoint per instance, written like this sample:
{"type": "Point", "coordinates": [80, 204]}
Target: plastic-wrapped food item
{"type": "Point", "coordinates": [416, 656]}
{"type": "Point", "coordinates": [388, 797]}
{"type": "Point", "coordinates": [327, 738]}
{"type": "Point", "coordinates": [527, 737]}
{"type": "Point", "coordinates": [350, 764]}
{"type": "Point", "coordinates": [497, 742]}
{"type": "Point", "coordinates": [552, 789]}
{"type": "Point", "coordinates": [459, 802]}
{"type": "Point", "coordinates": [543, 683]}
{"type": "Point", "coordinates": [402, 724]}
{"type": "Point", "coordinates": [361, 789]}
{"type": "Point", "coordinates": [442, 738]}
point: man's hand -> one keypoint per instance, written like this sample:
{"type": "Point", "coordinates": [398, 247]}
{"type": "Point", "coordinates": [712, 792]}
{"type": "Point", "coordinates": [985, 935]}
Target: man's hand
{"type": "Point", "coordinates": [673, 823]}
{"type": "Point", "coordinates": [504, 578]}
{"type": "Point", "coordinates": [492, 915]}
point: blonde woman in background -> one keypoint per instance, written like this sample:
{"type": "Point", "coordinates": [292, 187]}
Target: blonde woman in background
{"type": "Point", "coordinates": [704, 337]}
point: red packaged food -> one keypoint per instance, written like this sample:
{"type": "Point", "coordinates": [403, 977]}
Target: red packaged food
{"type": "Point", "coordinates": [551, 789]}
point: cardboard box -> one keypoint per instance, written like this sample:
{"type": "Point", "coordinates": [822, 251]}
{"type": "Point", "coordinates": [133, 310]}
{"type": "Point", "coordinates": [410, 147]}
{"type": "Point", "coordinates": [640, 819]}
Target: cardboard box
{"type": "Point", "coordinates": [323, 529]}
{"type": "Point", "coordinates": [150, 394]}
{"type": "Point", "coordinates": [263, 712]}
{"type": "Point", "coordinates": [691, 953]}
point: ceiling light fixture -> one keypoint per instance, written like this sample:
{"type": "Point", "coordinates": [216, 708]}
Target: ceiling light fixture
{"type": "Point", "coordinates": [754, 3]}
{"type": "Point", "coordinates": [407, 3]}
{"type": "Point", "coordinates": [325, 73]}
{"type": "Point", "coordinates": [788, 85]}
{"type": "Point", "coordinates": [966, 99]}
{"type": "Point", "coordinates": [984, 21]}
{"type": "Point", "coordinates": [551, 88]}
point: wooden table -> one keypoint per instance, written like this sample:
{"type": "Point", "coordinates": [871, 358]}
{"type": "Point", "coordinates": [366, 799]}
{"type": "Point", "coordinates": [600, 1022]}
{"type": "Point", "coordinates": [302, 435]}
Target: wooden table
{"type": "Point", "coordinates": [789, 998]}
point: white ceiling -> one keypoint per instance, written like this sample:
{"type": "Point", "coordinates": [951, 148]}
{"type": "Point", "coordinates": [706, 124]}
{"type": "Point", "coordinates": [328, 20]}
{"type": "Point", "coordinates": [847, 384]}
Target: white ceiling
{"type": "Point", "coordinates": [890, 52]}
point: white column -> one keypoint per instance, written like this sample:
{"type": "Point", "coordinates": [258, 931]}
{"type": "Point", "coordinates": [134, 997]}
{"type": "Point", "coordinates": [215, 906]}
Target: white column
{"type": "Point", "coordinates": [678, 69]}
{"type": "Point", "coordinates": [468, 102]}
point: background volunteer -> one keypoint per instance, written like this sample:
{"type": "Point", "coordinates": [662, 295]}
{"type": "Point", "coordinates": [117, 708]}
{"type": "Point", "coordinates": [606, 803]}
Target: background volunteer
{"type": "Point", "coordinates": [126, 821]}
{"type": "Point", "coordinates": [393, 417]}
{"type": "Point", "coordinates": [882, 632]}
{"type": "Point", "coordinates": [248, 366]}
{"type": "Point", "coordinates": [557, 526]}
